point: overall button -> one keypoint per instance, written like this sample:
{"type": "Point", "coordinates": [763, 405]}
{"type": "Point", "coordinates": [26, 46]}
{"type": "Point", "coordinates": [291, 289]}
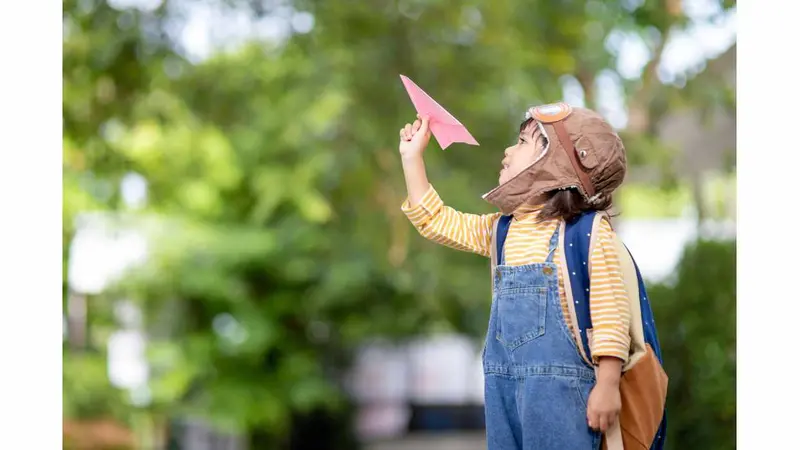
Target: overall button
{"type": "Point", "coordinates": [547, 271]}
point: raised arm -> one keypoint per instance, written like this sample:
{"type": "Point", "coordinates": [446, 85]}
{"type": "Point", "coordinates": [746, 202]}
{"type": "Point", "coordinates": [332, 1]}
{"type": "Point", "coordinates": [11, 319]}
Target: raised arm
{"type": "Point", "coordinates": [424, 207]}
{"type": "Point", "coordinates": [444, 225]}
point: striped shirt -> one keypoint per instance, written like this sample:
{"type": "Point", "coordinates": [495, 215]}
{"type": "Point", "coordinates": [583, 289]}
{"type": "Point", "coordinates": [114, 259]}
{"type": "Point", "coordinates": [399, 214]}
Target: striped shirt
{"type": "Point", "coordinates": [527, 243]}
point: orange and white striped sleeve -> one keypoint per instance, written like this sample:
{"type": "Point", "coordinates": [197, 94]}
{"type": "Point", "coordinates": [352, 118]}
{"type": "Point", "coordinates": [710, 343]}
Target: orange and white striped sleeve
{"type": "Point", "coordinates": [446, 226]}
{"type": "Point", "coordinates": [608, 301]}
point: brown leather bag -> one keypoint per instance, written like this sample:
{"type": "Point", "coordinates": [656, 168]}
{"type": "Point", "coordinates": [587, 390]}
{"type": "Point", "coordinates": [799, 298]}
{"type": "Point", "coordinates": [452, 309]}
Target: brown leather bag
{"type": "Point", "coordinates": [643, 389]}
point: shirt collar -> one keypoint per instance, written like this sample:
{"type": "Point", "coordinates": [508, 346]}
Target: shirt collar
{"type": "Point", "coordinates": [526, 210]}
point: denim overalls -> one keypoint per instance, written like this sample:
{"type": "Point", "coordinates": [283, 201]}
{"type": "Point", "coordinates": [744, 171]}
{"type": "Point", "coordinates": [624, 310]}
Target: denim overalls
{"type": "Point", "coordinates": [536, 384]}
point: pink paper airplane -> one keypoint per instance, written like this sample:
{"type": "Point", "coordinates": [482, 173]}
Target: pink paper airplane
{"type": "Point", "coordinates": [444, 127]}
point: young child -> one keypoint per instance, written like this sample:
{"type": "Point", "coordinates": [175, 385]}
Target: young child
{"type": "Point", "coordinates": [539, 392]}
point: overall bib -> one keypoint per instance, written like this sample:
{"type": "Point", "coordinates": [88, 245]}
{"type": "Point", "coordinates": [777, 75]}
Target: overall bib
{"type": "Point", "coordinates": [536, 384]}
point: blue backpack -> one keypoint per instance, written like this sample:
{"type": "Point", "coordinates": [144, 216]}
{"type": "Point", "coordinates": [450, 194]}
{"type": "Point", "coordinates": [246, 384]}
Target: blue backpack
{"type": "Point", "coordinates": [575, 244]}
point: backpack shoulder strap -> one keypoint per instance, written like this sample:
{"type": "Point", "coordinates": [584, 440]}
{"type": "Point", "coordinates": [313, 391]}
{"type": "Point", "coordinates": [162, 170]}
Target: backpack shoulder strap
{"type": "Point", "coordinates": [648, 321]}
{"type": "Point", "coordinates": [503, 224]}
{"type": "Point", "coordinates": [578, 239]}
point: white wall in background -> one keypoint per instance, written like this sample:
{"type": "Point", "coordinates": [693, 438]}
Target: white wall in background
{"type": "Point", "coordinates": [657, 244]}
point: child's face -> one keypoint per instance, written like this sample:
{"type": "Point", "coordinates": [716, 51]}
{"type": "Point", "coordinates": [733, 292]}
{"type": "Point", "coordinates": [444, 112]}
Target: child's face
{"type": "Point", "coordinates": [530, 145]}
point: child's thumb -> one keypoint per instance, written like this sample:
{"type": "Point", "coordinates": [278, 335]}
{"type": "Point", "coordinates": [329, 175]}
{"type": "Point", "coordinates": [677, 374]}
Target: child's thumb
{"type": "Point", "coordinates": [423, 128]}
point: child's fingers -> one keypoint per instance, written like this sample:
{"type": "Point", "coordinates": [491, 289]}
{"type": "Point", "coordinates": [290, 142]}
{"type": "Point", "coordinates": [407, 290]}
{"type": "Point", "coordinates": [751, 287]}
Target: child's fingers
{"type": "Point", "coordinates": [415, 127]}
{"type": "Point", "coordinates": [603, 425]}
{"type": "Point", "coordinates": [591, 418]}
{"type": "Point", "coordinates": [406, 132]}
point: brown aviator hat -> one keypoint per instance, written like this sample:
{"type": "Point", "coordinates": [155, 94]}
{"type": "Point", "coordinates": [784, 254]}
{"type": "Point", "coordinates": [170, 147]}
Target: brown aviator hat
{"type": "Point", "coordinates": [582, 151]}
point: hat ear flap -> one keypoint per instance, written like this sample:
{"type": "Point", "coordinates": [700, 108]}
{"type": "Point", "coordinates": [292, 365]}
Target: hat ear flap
{"type": "Point", "coordinates": [586, 154]}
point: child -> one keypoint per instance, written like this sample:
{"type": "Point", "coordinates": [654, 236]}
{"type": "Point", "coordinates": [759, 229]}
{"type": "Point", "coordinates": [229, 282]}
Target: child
{"type": "Point", "coordinates": [539, 392]}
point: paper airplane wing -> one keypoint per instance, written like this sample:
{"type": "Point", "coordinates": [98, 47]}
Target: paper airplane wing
{"type": "Point", "coordinates": [448, 134]}
{"type": "Point", "coordinates": [444, 127]}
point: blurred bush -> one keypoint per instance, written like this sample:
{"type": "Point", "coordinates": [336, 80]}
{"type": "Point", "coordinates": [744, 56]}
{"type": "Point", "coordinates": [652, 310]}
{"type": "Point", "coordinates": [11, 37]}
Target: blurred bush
{"type": "Point", "coordinates": [96, 413]}
{"type": "Point", "coordinates": [696, 316]}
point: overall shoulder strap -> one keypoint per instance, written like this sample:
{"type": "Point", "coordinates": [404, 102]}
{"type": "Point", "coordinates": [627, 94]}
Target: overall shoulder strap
{"type": "Point", "coordinates": [493, 249]}
{"type": "Point", "coordinates": [499, 233]}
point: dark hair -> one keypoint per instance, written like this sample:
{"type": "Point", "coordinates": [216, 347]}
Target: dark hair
{"type": "Point", "coordinates": [568, 204]}
{"type": "Point", "coordinates": [525, 124]}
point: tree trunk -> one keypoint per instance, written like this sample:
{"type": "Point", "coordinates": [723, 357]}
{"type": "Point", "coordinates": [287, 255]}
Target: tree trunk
{"type": "Point", "coordinates": [699, 197]}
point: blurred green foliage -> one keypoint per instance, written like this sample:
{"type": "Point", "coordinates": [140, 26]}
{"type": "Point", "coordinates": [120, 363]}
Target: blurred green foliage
{"type": "Point", "coordinates": [697, 329]}
{"type": "Point", "coordinates": [88, 388]}
{"type": "Point", "coordinates": [274, 189]}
